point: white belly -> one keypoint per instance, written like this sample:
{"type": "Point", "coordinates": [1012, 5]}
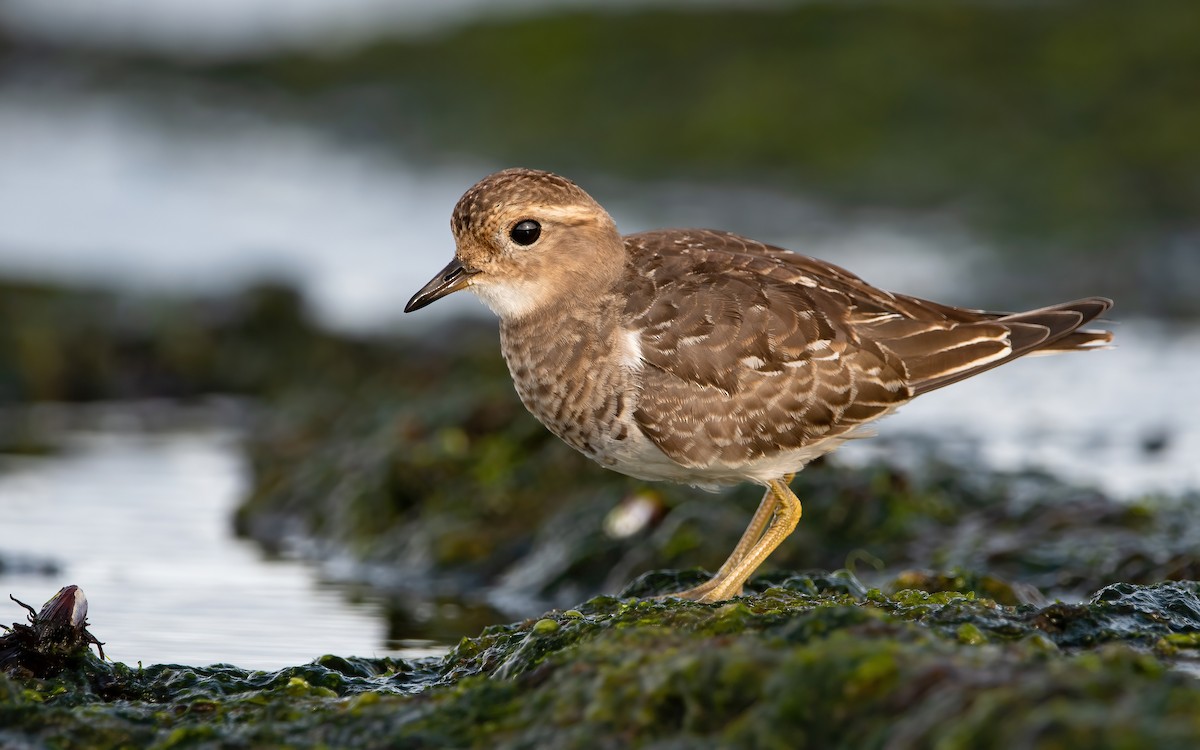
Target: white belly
{"type": "Point", "coordinates": [637, 456]}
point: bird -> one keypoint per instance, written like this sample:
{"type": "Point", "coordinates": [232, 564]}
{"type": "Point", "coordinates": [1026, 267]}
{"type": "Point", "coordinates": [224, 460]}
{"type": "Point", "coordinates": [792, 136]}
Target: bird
{"type": "Point", "coordinates": [706, 358]}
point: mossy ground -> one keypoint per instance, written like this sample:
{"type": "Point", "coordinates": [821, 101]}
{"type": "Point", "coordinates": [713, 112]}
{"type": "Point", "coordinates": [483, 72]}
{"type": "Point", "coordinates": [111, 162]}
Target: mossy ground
{"type": "Point", "coordinates": [813, 660]}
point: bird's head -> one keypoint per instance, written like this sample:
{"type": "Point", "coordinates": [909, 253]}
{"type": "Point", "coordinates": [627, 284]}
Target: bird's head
{"type": "Point", "coordinates": [525, 238]}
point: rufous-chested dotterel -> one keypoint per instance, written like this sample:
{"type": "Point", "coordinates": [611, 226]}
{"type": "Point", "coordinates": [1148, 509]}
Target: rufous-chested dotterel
{"type": "Point", "coordinates": [702, 357]}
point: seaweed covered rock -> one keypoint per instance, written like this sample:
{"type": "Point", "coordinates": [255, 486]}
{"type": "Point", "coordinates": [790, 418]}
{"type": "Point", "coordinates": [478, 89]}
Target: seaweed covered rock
{"type": "Point", "coordinates": [809, 660]}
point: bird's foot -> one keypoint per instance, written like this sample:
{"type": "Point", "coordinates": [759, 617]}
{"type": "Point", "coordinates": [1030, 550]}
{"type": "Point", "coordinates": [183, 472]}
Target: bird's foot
{"type": "Point", "coordinates": [715, 590]}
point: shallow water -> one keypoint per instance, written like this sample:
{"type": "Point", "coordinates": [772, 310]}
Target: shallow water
{"type": "Point", "coordinates": [142, 524]}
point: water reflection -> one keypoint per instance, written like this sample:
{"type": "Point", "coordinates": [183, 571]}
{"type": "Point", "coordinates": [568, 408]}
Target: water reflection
{"type": "Point", "coordinates": [141, 524]}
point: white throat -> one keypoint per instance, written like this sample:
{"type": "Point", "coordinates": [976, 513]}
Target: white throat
{"type": "Point", "coordinates": [511, 298]}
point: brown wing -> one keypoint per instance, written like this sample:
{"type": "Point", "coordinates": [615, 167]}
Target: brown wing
{"type": "Point", "coordinates": [742, 357]}
{"type": "Point", "coordinates": [750, 349]}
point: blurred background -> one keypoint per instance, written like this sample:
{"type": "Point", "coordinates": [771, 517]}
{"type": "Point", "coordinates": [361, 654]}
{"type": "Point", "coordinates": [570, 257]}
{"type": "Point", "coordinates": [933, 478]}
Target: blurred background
{"type": "Point", "coordinates": [214, 420]}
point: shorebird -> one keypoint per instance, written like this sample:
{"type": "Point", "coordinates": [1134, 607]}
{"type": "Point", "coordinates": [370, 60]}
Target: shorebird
{"type": "Point", "coordinates": [706, 358]}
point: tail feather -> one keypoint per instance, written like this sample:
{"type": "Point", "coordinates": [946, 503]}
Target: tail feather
{"type": "Point", "coordinates": [1047, 330]}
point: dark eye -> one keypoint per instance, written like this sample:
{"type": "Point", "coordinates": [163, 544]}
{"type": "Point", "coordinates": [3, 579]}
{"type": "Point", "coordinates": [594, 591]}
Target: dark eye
{"type": "Point", "coordinates": [526, 232]}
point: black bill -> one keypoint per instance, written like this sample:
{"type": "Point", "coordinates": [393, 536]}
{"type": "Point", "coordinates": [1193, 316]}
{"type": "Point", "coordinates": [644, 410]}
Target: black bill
{"type": "Point", "coordinates": [448, 280]}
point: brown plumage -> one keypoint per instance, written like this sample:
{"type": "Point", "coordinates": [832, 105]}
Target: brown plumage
{"type": "Point", "coordinates": [707, 358]}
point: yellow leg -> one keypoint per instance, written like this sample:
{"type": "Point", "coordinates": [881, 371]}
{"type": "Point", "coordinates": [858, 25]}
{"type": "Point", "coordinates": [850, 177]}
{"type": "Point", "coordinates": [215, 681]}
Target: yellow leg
{"type": "Point", "coordinates": [750, 536]}
{"type": "Point", "coordinates": [782, 509]}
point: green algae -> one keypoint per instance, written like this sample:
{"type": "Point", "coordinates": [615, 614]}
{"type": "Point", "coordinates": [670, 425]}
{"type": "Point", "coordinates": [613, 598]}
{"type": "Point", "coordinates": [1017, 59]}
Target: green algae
{"type": "Point", "coordinates": [802, 664]}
